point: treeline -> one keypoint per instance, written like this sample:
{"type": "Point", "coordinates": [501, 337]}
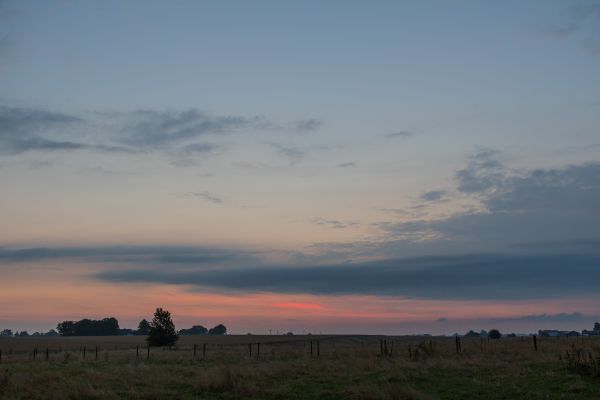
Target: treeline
{"type": "Point", "coordinates": [200, 330]}
{"type": "Point", "coordinates": [89, 327]}
{"type": "Point", "coordinates": [110, 327]}
{"type": "Point", "coordinates": [9, 333]}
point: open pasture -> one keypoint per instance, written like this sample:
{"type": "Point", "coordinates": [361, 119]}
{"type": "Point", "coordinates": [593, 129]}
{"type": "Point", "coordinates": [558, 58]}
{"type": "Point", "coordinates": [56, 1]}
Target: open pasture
{"type": "Point", "coordinates": [275, 367]}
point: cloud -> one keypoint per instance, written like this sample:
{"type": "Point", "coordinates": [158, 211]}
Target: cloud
{"type": "Point", "coordinates": [399, 134]}
{"type": "Point", "coordinates": [308, 125]}
{"type": "Point", "coordinates": [434, 195]}
{"type": "Point", "coordinates": [159, 129]}
{"type": "Point", "coordinates": [205, 196]}
{"type": "Point", "coordinates": [294, 154]}
{"type": "Point", "coordinates": [332, 223]}
{"type": "Point", "coordinates": [121, 254]}
{"type": "Point", "coordinates": [580, 19]}
{"type": "Point", "coordinates": [20, 129]}
{"type": "Point", "coordinates": [484, 171]}
{"type": "Point", "coordinates": [25, 129]}
{"type": "Point", "coordinates": [191, 154]}
{"type": "Point", "coordinates": [197, 148]}
{"type": "Point", "coordinates": [522, 323]}
{"type": "Point", "coordinates": [574, 17]}
{"type": "Point", "coordinates": [346, 165]}
{"type": "Point", "coordinates": [543, 205]}
{"type": "Point", "coordinates": [176, 132]}
{"type": "Point", "coordinates": [467, 276]}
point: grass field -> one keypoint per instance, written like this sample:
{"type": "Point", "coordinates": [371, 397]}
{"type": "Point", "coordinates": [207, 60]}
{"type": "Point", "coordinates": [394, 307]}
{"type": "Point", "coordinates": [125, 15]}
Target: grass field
{"type": "Point", "coordinates": [347, 367]}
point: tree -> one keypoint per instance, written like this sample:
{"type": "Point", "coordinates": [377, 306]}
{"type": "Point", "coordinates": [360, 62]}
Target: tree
{"type": "Point", "coordinates": [143, 327]}
{"type": "Point", "coordinates": [66, 328]}
{"type": "Point", "coordinates": [218, 330]}
{"type": "Point", "coordinates": [162, 329]}
{"type": "Point", "coordinates": [194, 330]}
{"type": "Point", "coordinates": [494, 334]}
{"type": "Point", "coordinates": [472, 333]}
{"type": "Point", "coordinates": [597, 327]}
{"type": "Point", "coordinates": [6, 332]}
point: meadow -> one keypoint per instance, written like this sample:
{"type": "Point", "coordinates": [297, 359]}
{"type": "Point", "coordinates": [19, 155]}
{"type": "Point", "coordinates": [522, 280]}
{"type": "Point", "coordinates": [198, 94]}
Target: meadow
{"type": "Point", "coordinates": [282, 367]}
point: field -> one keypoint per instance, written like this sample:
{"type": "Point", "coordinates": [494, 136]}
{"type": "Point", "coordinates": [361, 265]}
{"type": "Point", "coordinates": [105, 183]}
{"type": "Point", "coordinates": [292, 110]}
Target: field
{"type": "Point", "coordinates": [282, 367]}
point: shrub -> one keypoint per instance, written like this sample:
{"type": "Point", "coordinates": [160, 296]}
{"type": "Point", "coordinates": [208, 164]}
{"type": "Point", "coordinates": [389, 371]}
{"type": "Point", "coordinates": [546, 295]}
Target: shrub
{"type": "Point", "coordinates": [494, 334]}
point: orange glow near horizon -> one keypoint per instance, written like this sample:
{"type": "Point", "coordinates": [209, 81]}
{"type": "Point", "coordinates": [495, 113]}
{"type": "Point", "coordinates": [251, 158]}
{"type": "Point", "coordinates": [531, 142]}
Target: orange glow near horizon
{"type": "Point", "coordinates": [30, 301]}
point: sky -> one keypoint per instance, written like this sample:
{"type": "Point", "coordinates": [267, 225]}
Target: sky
{"type": "Point", "coordinates": [337, 167]}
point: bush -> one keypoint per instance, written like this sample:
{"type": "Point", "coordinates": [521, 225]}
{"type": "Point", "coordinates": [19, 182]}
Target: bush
{"type": "Point", "coordinates": [494, 334]}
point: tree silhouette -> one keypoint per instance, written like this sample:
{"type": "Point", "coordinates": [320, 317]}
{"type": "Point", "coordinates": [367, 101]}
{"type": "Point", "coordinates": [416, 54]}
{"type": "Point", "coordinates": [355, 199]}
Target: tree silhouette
{"type": "Point", "coordinates": [162, 330]}
{"type": "Point", "coordinates": [143, 327]}
{"type": "Point", "coordinates": [218, 330]}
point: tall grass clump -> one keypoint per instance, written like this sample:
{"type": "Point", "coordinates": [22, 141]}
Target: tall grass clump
{"type": "Point", "coordinates": [582, 362]}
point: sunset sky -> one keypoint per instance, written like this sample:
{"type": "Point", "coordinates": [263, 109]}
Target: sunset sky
{"type": "Point", "coordinates": [338, 167]}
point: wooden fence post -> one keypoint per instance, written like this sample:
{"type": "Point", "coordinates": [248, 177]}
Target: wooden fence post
{"type": "Point", "coordinates": [385, 350]}
{"type": "Point", "coordinates": [311, 348]}
{"type": "Point", "coordinates": [96, 353]}
{"type": "Point", "coordinates": [318, 349]}
{"type": "Point", "coordinates": [381, 346]}
{"type": "Point", "coordinates": [250, 349]}
{"type": "Point", "coordinates": [34, 354]}
{"type": "Point", "coordinates": [137, 351]}
{"type": "Point", "coordinates": [84, 352]}
{"type": "Point", "coordinates": [535, 342]}
{"type": "Point", "coordinates": [0, 355]}
{"type": "Point", "coordinates": [47, 354]}
{"type": "Point", "coordinates": [204, 350]}
{"type": "Point", "coordinates": [148, 355]}
{"type": "Point", "coordinates": [257, 349]}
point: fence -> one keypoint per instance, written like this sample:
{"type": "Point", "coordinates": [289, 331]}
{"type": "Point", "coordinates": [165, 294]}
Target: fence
{"type": "Point", "coordinates": [388, 347]}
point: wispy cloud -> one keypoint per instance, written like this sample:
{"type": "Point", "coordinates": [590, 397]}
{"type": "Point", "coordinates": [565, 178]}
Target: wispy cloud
{"type": "Point", "coordinates": [121, 254]}
{"type": "Point", "coordinates": [434, 195]}
{"type": "Point", "coordinates": [205, 196]}
{"type": "Point", "coordinates": [182, 133]}
{"type": "Point", "coordinates": [580, 19]}
{"type": "Point", "coordinates": [333, 223]}
{"type": "Point", "coordinates": [347, 165]}
{"type": "Point", "coordinates": [308, 125]}
{"type": "Point", "coordinates": [159, 129]}
{"type": "Point", "coordinates": [294, 153]}
{"type": "Point", "coordinates": [399, 134]}
{"type": "Point", "coordinates": [197, 148]}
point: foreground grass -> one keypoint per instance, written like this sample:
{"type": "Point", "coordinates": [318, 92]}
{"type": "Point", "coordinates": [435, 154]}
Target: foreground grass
{"type": "Point", "coordinates": [306, 378]}
{"type": "Point", "coordinates": [504, 371]}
